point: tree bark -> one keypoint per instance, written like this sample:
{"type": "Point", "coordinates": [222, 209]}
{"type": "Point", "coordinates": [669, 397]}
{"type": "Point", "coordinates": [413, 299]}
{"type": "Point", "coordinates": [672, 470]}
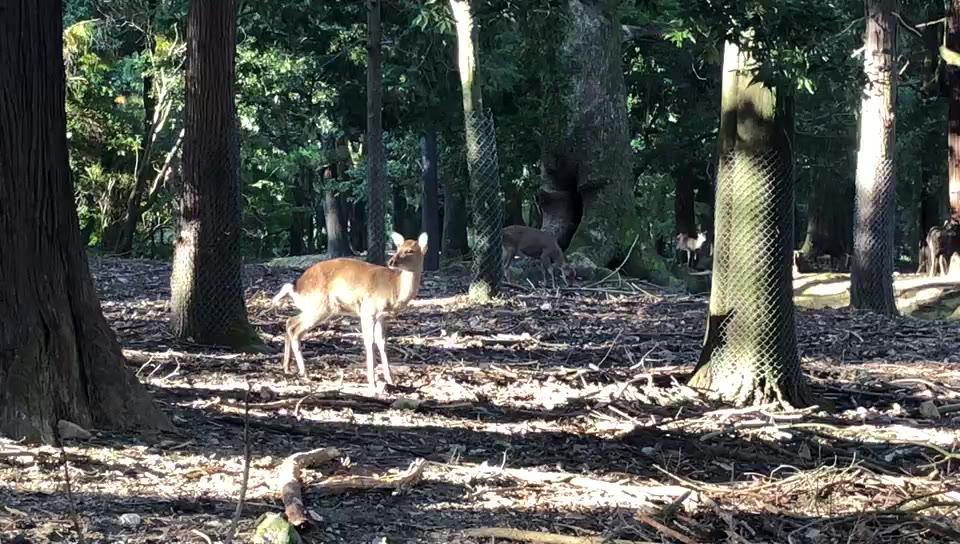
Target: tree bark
{"type": "Point", "coordinates": [953, 110]}
{"type": "Point", "coordinates": [358, 226]}
{"type": "Point", "coordinates": [871, 279]}
{"type": "Point", "coordinates": [486, 199]}
{"type": "Point", "coordinates": [206, 281]}
{"type": "Point", "coordinates": [58, 357]}
{"type": "Point", "coordinates": [430, 205]}
{"type": "Point", "coordinates": [750, 350]}
{"type": "Point", "coordinates": [299, 217]}
{"type": "Point", "coordinates": [376, 160]}
{"type": "Point", "coordinates": [338, 244]}
{"type": "Point", "coordinates": [587, 193]}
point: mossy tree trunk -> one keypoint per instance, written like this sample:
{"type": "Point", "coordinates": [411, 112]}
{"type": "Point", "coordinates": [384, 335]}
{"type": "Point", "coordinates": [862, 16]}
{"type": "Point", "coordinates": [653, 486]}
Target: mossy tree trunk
{"type": "Point", "coordinates": [481, 146]}
{"type": "Point", "coordinates": [58, 357]}
{"type": "Point", "coordinates": [587, 192]}
{"type": "Point", "coordinates": [871, 278]}
{"type": "Point", "coordinates": [953, 110]}
{"type": "Point", "coordinates": [750, 350]}
{"type": "Point", "coordinates": [206, 281]}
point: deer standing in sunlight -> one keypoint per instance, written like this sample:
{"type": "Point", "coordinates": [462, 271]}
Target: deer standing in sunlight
{"type": "Point", "coordinates": [346, 286]}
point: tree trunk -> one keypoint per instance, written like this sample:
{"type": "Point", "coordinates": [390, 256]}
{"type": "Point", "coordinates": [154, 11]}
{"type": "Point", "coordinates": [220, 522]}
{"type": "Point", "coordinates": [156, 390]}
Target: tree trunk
{"type": "Point", "coordinates": [405, 216]}
{"type": "Point", "coordinates": [358, 226]}
{"type": "Point", "coordinates": [58, 357]}
{"type": "Point", "coordinates": [143, 174]}
{"type": "Point", "coordinates": [481, 143]}
{"type": "Point", "coordinates": [376, 160]}
{"type": "Point", "coordinates": [829, 214]}
{"type": "Point", "coordinates": [430, 206]}
{"type": "Point", "coordinates": [338, 245]}
{"type": "Point", "coordinates": [455, 244]}
{"type": "Point", "coordinates": [514, 207]}
{"type": "Point", "coordinates": [299, 216]}
{"type": "Point", "coordinates": [684, 211]}
{"type": "Point", "coordinates": [953, 110]}
{"type": "Point", "coordinates": [587, 194]}
{"type": "Point", "coordinates": [871, 279]}
{"type": "Point", "coordinates": [206, 281]}
{"type": "Point", "coordinates": [750, 350]}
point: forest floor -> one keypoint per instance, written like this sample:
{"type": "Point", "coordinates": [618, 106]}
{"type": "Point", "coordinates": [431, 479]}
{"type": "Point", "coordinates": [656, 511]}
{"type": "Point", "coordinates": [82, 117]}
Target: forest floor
{"type": "Point", "coordinates": [556, 412]}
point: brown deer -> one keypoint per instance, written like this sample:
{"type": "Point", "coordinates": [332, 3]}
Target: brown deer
{"type": "Point", "coordinates": [536, 244]}
{"type": "Point", "coordinates": [346, 286]}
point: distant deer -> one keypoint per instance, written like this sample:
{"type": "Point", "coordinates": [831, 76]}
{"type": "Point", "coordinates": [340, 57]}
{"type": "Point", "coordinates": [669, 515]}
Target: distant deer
{"type": "Point", "coordinates": [536, 244]}
{"type": "Point", "coordinates": [348, 286]}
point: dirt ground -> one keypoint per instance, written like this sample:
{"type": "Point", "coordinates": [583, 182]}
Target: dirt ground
{"type": "Point", "coordinates": [550, 411]}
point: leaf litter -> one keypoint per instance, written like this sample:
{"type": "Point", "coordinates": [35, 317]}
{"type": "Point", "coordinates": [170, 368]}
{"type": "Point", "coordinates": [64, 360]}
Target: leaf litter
{"type": "Point", "coordinates": [544, 413]}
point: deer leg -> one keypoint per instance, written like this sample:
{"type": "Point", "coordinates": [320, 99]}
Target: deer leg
{"type": "Point", "coordinates": [295, 331]}
{"type": "Point", "coordinates": [367, 328]}
{"type": "Point", "coordinates": [506, 258]}
{"type": "Point", "coordinates": [382, 347]}
{"type": "Point", "coordinates": [292, 324]}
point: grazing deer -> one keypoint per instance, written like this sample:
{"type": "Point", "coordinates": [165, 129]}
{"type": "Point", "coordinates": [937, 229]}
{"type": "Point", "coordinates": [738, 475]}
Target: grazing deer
{"type": "Point", "coordinates": [691, 247]}
{"type": "Point", "coordinates": [347, 286]}
{"type": "Point", "coordinates": [536, 244]}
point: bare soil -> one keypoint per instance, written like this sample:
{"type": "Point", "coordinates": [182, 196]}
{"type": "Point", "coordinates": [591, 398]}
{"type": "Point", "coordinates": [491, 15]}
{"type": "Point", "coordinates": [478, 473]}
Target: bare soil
{"type": "Point", "coordinates": [549, 411]}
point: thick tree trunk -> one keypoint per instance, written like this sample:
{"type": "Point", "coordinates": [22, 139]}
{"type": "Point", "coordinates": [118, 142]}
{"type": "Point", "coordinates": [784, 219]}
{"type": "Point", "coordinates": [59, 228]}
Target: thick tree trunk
{"type": "Point", "coordinates": [871, 279]}
{"type": "Point", "coordinates": [750, 351]}
{"type": "Point", "coordinates": [430, 205]}
{"type": "Point", "coordinates": [58, 357]}
{"type": "Point", "coordinates": [206, 282]}
{"type": "Point", "coordinates": [486, 202]}
{"type": "Point", "coordinates": [953, 110]}
{"type": "Point", "coordinates": [376, 160]}
{"type": "Point", "coordinates": [358, 226]}
{"type": "Point", "coordinates": [338, 244]}
{"type": "Point", "coordinates": [587, 193]}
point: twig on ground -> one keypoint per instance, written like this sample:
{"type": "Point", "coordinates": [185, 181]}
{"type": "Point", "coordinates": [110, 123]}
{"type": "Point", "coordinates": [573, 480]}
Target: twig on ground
{"type": "Point", "coordinates": [617, 269]}
{"type": "Point", "coordinates": [288, 476]}
{"type": "Point", "coordinates": [70, 500]}
{"type": "Point", "coordinates": [543, 538]}
{"type": "Point", "coordinates": [339, 484]}
{"type": "Point", "coordinates": [664, 529]}
{"type": "Point", "coordinates": [232, 529]}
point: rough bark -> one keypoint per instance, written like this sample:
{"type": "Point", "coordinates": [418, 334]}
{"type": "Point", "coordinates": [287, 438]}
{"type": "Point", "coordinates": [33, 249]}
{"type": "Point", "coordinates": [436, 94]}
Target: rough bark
{"type": "Point", "coordinates": [376, 159]}
{"type": "Point", "coordinates": [587, 192]}
{"type": "Point", "coordinates": [430, 205]}
{"type": "Point", "coordinates": [750, 350]}
{"type": "Point", "coordinates": [871, 279]}
{"type": "Point", "coordinates": [206, 283]}
{"type": "Point", "coordinates": [58, 357]}
{"type": "Point", "coordinates": [486, 200]}
{"type": "Point", "coordinates": [953, 110]}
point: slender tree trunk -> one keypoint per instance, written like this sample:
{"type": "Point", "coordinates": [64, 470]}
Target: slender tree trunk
{"type": "Point", "coordinates": [338, 244]}
{"type": "Point", "coordinates": [376, 160]}
{"type": "Point", "coordinates": [953, 110]}
{"type": "Point", "coordinates": [58, 357]}
{"type": "Point", "coordinates": [750, 350]}
{"type": "Point", "coordinates": [299, 216]}
{"type": "Point", "coordinates": [871, 282]}
{"type": "Point", "coordinates": [143, 174]}
{"type": "Point", "coordinates": [430, 206]}
{"type": "Point", "coordinates": [206, 281]}
{"type": "Point", "coordinates": [481, 144]}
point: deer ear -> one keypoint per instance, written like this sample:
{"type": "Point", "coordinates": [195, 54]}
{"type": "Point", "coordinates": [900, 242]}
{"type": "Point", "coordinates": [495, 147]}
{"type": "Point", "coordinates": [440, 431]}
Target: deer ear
{"type": "Point", "coordinates": [422, 241]}
{"type": "Point", "coordinates": [397, 238]}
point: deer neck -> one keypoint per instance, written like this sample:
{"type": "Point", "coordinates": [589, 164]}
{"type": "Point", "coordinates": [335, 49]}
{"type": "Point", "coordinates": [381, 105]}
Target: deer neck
{"type": "Point", "coordinates": [409, 284]}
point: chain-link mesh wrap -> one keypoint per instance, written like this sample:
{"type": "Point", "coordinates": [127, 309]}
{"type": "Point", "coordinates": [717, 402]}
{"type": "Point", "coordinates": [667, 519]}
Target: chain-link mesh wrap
{"type": "Point", "coordinates": [875, 206]}
{"type": "Point", "coordinates": [486, 198]}
{"type": "Point", "coordinates": [752, 343]}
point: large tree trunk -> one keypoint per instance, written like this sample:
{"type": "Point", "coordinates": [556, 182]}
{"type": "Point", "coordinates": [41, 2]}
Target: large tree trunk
{"type": "Point", "coordinates": [871, 280]}
{"type": "Point", "coordinates": [829, 214]}
{"type": "Point", "coordinates": [58, 357]}
{"type": "Point", "coordinates": [750, 351]}
{"type": "Point", "coordinates": [953, 110]}
{"type": "Point", "coordinates": [376, 160]}
{"type": "Point", "coordinates": [587, 192]}
{"type": "Point", "coordinates": [206, 282]}
{"type": "Point", "coordinates": [338, 244]}
{"type": "Point", "coordinates": [486, 202]}
{"type": "Point", "coordinates": [430, 205]}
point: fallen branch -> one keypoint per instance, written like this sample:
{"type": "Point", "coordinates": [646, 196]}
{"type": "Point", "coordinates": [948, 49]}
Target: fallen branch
{"type": "Point", "coordinates": [664, 529]}
{"type": "Point", "coordinates": [340, 484]}
{"type": "Point", "coordinates": [289, 478]}
{"type": "Point", "coordinates": [543, 538]}
{"type": "Point", "coordinates": [232, 529]}
{"type": "Point", "coordinates": [71, 502]}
